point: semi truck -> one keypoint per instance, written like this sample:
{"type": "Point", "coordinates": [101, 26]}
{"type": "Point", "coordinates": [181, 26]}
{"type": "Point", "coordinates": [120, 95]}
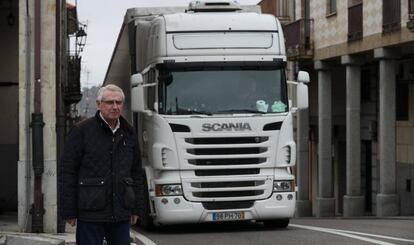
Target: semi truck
{"type": "Point", "coordinates": [206, 89]}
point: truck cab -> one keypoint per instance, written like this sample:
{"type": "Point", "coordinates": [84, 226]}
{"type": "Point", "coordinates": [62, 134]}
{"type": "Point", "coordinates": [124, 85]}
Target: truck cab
{"type": "Point", "coordinates": [210, 101]}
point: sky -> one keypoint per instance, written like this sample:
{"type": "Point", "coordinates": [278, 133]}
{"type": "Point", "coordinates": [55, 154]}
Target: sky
{"type": "Point", "coordinates": [104, 19]}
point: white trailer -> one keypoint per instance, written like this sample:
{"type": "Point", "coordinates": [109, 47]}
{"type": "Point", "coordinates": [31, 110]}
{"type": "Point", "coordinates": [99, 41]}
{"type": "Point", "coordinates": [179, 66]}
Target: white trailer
{"type": "Point", "coordinates": [208, 95]}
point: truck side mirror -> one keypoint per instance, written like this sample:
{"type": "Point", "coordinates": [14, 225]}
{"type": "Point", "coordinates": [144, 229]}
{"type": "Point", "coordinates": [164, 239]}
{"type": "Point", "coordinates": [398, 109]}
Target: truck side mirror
{"type": "Point", "coordinates": [137, 93]}
{"type": "Point", "coordinates": [302, 90]}
{"type": "Point", "coordinates": [303, 77]}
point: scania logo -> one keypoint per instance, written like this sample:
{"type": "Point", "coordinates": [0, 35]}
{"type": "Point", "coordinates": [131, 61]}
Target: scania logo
{"type": "Point", "coordinates": [218, 127]}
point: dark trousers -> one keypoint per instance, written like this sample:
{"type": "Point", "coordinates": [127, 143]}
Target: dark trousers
{"type": "Point", "coordinates": [93, 233]}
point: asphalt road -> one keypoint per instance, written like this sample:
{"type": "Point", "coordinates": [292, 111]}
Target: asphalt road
{"type": "Point", "coordinates": [300, 231]}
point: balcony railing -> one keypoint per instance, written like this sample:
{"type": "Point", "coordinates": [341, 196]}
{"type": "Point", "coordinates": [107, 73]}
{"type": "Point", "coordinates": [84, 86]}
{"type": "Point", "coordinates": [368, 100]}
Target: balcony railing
{"type": "Point", "coordinates": [391, 13]}
{"type": "Point", "coordinates": [299, 42]}
{"type": "Point", "coordinates": [72, 91]}
{"type": "Point", "coordinates": [355, 22]}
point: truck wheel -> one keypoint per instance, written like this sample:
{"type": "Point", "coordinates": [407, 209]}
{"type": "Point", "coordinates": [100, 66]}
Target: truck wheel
{"type": "Point", "coordinates": [276, 223]}
{"type": "Point", "coordinates": [146, 221]}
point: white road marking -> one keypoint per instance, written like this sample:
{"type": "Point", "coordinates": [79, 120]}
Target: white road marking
{"type": "Point", "coordinates": [145, 240]}
{"type": "Point", "coordinates": [341, 233]}
{"type": "Point", "coordinates": [351, 234]}
{"type": "Point", "coordinates": [378, 236]}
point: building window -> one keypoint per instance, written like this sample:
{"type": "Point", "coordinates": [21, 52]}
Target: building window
{"type": "Point", "coordinates": [331, 7]}
{"type": "Point", "coordinates": [410, 23]}
{"type": "Point", "coordinates": [402, 98]}
{"type": "Point", "coordinates": [282, 8]}
{"type": "Point", "coordinates": [355, 19]}
{"type": "Point", "coordinates": [391, 13]}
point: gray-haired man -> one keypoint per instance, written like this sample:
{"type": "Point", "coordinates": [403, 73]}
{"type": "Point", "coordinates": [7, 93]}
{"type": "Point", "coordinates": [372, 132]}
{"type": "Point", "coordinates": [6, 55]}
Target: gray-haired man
{"type": "Point", "coordinates": [100, 179]}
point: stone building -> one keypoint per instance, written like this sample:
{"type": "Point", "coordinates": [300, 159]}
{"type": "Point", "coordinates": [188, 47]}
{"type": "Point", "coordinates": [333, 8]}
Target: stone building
{"type": "Point", "coordinates": [356, 141]}
{"type": "Point", "coordinates": [39, 81]}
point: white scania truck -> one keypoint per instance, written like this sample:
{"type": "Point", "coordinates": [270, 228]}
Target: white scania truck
{"type": "Point", "coordinates": [208, 93]}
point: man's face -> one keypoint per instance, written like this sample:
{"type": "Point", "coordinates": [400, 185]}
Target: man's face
{"type": "Point", "coordinates": [110, 105]}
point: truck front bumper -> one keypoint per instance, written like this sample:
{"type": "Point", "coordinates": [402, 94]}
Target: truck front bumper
{"type": "Point", "coordinates": [177, 210]}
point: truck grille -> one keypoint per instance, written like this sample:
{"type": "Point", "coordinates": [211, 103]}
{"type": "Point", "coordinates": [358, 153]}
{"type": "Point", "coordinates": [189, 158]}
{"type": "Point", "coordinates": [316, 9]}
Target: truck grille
{"type": "Point", "coordinates": [227, 151]}
{"type": "Point", "coordinates": [228, 193]}
{"type": "Point", "coordinates": [217, 172]}
{"type": "Point", "coordinates": [227, 169]}
{"type": "Point", "coordinates": [226, 161]}
{"type": "Point", "coordinates": [227, 184]}
{"type": "Point", "coordinates": [233, 140]}
{"type": "Point", "coordinates": [231, 194]}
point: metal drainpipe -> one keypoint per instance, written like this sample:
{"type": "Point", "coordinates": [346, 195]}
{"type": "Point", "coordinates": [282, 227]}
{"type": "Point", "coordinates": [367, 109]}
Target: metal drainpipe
{"type": "Point", "coordinates": [60, 115]}
{"type": "Point", "coordinates": [27, 113]}
{"type": "Point", "coordinates": [37, 130]}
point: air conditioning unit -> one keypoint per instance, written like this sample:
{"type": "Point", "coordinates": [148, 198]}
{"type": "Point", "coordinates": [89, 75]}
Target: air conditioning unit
{"type": "Point", "coordinates": [214, 6]}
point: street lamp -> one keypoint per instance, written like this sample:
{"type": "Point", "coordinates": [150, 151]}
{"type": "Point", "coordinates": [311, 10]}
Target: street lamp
{"type": "Point", "coordinates": [80, 39]}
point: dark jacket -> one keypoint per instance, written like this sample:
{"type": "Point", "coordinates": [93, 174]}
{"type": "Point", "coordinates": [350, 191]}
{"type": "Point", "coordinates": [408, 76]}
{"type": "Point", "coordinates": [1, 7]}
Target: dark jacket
{"type": "Point", "coordinates": [100, 176]}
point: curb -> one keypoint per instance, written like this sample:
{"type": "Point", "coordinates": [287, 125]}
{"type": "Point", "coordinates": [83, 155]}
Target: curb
{"type": "Point", "coordinates": [32, 240]}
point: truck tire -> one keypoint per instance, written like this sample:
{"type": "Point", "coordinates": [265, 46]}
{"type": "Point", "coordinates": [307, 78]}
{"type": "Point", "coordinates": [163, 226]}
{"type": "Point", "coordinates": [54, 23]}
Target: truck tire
{"type": "Point", "coordinates": [146, 221]}
{"type": "Point", "coordinates": [276, 223]}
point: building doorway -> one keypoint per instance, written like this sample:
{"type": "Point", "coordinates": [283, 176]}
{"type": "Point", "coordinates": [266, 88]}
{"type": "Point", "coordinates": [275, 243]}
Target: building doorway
{"type": "Point", "coordinates": [9, 99]}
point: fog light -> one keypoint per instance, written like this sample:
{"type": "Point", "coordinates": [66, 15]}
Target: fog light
{"type": "Point", "coordinates": [279, 197]}
{"type": "Point", "coordinates": [176, 200]}
{"type": "Point", "coordinates": [164, 200]}
{"type": "Point", "coordinates": [290, 196]}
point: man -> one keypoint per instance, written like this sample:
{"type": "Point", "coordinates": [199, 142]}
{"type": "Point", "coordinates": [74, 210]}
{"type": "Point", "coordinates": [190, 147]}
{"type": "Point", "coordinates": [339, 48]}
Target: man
{"type": "Point", "coordinates": [100, 179]}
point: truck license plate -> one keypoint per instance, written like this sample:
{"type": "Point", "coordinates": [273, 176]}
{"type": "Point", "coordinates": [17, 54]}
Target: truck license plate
{"type": "Point", "coordinates": [228, 216]}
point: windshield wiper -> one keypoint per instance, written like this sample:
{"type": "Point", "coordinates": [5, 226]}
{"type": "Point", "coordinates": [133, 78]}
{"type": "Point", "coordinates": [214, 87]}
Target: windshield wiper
{"type": "Point", "coordinates": [241, 111]}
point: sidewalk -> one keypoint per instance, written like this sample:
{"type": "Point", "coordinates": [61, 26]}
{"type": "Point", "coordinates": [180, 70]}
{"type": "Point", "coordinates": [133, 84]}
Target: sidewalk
{"type": "Point", "coordinates": [68, 238]}
{"type": "Point", "coordinates": [10, 235]}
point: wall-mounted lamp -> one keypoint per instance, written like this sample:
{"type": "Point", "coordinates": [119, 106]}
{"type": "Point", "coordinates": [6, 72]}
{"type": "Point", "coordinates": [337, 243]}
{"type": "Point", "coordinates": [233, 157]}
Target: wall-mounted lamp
{"type": "Point", "coordinates": [80, 38]}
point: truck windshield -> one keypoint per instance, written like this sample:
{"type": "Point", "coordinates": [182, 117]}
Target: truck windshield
{"type": "Point", "coordinates": [222, 90]}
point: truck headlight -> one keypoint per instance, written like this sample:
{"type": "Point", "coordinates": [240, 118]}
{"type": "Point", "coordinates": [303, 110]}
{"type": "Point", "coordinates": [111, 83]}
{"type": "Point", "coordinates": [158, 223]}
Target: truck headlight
{"type": "Point", "coordinates": [168, 190]}
{"type": "Point", "coordinates": [283, 186]}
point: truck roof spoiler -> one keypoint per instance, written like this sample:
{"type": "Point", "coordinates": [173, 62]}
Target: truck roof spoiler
{"type": "Point", "coordinates": [222, 6]}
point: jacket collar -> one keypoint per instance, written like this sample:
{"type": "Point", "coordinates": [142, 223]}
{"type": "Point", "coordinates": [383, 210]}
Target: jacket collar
{"type": "Point", "coordinates": [117, 126]}
{"type": "Point", "coordinates": [123, 123]}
